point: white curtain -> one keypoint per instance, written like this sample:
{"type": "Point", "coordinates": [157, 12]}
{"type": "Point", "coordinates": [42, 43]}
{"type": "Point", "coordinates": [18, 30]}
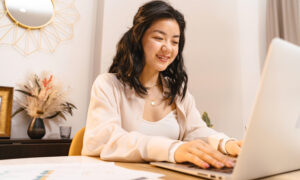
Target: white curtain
{"type": "Point", "coordinates": [283, 20]}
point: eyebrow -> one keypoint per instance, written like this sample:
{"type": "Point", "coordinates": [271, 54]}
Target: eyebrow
{"type": "Point", "coordinates": [161, 32]}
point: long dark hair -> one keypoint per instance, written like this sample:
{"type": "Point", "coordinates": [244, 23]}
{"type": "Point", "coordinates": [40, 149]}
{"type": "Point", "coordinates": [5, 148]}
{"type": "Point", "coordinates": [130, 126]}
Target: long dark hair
{"type": "Point", "coordinates": [129, 61]}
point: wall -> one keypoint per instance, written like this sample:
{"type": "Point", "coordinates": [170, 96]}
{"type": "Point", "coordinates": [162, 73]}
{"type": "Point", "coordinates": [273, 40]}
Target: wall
{"type": "Point", "coordinates": [222, 53]}
{"type": "Point", "coordinates": [213, 63]}
{"type": "Point", "coordinates": [72, 63]}
{"type": "Point", "coordinates": [252, 49]}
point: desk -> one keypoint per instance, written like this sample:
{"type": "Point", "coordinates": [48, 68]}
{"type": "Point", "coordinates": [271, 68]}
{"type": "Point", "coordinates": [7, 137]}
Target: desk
{"type": "Point", "coordinates": [168, 175]}
{"type": "Point", "coordinates": [23, 148]}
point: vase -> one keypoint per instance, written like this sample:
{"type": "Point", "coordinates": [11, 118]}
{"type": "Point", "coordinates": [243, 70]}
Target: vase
{"type": "Point", "coordinates": [36, 129]}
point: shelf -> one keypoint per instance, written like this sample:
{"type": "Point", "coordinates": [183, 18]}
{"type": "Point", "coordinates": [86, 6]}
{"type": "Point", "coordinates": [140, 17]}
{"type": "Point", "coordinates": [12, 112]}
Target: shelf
{"type": "Point", "coordinates": [23, 148]}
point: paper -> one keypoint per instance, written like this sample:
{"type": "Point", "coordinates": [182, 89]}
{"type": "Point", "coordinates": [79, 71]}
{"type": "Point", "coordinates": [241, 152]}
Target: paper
{"type": "Point", "coordinates": [103, 170]}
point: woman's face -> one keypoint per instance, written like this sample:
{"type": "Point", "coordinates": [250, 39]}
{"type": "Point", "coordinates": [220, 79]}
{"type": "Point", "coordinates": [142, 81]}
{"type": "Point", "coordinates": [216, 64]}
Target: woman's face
{"type": "Point", "coordinates": [160, 43]}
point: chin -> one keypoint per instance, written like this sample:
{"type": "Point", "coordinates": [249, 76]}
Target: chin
{"type": "Point", "coordinates": [161, 69]}
{"type": "Point", "coordinates": [160, 66]}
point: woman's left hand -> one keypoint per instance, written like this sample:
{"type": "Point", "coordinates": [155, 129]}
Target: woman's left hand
{"type": "Point", "coordinates": [233, 148]}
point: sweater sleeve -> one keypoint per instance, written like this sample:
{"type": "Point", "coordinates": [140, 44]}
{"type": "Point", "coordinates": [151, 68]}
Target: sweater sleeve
{"type": "Point", "coordinates": [104, 135]}
{"type": "Point", "coordinates": [196, 127]}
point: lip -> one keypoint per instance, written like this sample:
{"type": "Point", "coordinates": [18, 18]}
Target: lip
{"type": "Point", "coordinates": [163, 58]}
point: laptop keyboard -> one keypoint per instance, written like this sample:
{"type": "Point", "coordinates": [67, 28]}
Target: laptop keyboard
{"type": "Point", "coordinates": [223, 170]}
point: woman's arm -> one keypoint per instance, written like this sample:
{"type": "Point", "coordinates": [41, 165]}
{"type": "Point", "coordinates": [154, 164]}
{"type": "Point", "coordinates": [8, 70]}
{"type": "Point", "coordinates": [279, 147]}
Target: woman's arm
{"type": "Point", "coordinates": [196, 128]}
{"type": "Point", "coordinates": [203, 142]}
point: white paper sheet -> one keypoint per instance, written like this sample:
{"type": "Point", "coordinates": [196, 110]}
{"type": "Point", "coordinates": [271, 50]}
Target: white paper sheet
{"type": "Point", "coordinates": [103, 170]}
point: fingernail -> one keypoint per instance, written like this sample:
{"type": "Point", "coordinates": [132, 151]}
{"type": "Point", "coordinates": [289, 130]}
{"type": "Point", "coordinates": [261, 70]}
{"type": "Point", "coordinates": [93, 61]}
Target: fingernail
{"type": "Point", "coordinates": [230, 163]}
{"type": "Point", "coordinates": [206, 165]}
{"type": "Point", "coordinates": [220, 164]}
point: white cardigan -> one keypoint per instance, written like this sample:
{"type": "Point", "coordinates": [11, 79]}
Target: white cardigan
{"type": "Point", "coordinates": [114, 115]}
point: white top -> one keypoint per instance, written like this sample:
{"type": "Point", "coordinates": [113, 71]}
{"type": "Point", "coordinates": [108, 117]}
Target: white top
{"type": "Point", "coordinates": [167, 126]}
{"type": "Point", "coordinates": [114, 114]}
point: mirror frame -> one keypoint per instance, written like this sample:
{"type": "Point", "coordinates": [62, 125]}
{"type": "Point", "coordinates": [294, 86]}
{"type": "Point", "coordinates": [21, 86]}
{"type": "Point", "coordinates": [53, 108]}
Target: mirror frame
{"type": "Point", "coordinates": [26, 26]}
{"type": "Point", "coordinates": [27, 40]}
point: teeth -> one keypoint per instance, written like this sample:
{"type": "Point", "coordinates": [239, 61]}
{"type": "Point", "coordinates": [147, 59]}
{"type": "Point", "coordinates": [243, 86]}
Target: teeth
{"type": "Point", "coordinates": [163, 57]}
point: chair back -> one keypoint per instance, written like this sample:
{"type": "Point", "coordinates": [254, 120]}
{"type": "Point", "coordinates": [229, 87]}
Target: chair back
{"type": "Point", "coordinates": [76, 144]}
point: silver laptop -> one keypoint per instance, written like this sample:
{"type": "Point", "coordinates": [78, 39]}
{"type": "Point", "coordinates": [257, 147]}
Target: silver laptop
{"type": "Point", "coordinates": [272, 141]}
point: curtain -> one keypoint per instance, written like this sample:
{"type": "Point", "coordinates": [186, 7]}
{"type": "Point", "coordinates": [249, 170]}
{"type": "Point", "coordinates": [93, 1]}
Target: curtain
{"type": "Point", "coordinates": [283, 20]}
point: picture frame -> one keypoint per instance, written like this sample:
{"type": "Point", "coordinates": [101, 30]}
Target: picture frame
{"type": "Point", "coordinates": [6, 101]}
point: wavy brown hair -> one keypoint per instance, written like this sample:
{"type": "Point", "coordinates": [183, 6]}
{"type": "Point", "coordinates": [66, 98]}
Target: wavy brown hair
{"type": "Point", "coordinates": [129, 61]}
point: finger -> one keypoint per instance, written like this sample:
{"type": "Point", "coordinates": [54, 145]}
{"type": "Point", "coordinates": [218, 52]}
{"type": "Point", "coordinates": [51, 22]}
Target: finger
{"type": "Point", "coordinates": [236, 149]}
{"type": "Point", "coordinates": [207, 158]}
{"type": "Point", "coordinates": [231, 158]}
{"type": "Point", "coordinates": [197, 161]}
{"type": "Point", "coordinates": [217, 155]}
{"type": "Point", "coordinates": [240, 143]}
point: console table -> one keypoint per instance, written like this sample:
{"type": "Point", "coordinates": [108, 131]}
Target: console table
{"type": "Point", "coordinates": [23, 148]}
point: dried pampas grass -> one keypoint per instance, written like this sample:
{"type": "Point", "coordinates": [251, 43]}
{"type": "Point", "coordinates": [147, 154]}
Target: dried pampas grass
{"type": "Point", "coordinates": [43, 97]}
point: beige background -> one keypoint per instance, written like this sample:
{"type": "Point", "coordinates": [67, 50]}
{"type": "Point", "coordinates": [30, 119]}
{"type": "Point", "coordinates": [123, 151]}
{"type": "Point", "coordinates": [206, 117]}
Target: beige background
{"type": "Point", "coordinates": [224, 53]}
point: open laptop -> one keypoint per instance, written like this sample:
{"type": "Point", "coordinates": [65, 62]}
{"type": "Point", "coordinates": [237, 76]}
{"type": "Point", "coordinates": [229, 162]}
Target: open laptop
{"type": "Point", "coordinates": [272, 141]}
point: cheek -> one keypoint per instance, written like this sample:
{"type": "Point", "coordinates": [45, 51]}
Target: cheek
{"type": "Point", "coordinates": [175, 52]}
{"type": "Point", "coordinates": [151, 48]}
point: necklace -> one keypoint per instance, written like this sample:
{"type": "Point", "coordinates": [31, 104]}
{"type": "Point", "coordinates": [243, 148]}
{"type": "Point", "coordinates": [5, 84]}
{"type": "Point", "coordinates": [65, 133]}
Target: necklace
{"type": "Point", "coordinates": [150, 87]}
{"type": "Point", "coordinates": [154, 101]}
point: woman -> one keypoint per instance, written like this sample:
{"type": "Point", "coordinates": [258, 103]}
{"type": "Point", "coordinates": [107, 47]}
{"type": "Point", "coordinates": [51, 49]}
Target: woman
{"type": "Point", "coordinates": [141, 110]}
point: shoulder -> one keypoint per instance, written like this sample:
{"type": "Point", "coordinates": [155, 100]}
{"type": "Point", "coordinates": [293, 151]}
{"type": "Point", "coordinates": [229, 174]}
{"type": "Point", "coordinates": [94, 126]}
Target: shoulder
{"type": "Point", "coordinates": [106, 81]}
{"type": "Point", "coordinates": [106, 78]}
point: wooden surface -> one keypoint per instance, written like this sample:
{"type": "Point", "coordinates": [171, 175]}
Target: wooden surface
{"type": "Point", "coordinates": [167, 174]}
{"type": "Point", "coordinates": [24, 148]}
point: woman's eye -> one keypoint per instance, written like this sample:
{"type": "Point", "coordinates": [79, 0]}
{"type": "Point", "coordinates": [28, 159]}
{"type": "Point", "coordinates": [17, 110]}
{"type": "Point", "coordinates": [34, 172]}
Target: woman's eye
{"type": "Point", "coordinates": [175, 42]}
{"type": "Point", "coordinates": [158, 38]}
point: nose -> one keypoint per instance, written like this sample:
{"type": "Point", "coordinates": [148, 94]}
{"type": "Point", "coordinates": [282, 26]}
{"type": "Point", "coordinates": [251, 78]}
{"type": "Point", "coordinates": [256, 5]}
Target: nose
{"type": "Point", "coordinates": [165, 48]}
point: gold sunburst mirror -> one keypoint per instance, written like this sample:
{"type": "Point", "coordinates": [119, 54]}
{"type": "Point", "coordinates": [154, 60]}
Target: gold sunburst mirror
{"type": "Point", "coordinates": [33, 25]}
{"type": "Point", "coordinates": [33, 14]}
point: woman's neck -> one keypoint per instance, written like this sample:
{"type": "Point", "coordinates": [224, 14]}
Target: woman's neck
{"type": "Point", "coordinates": [149, 78]}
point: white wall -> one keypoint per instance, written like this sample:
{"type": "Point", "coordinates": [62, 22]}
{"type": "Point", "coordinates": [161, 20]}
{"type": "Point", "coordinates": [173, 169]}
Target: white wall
{"type": "Point", "coordinates": [72, 63]}
{"type": "Point", "coordinates": [222, 53]}
{"type": "Point", "coordinates": [252, 49]}
{"type": "Point", "coordinates": [213, 63]}
{"type": "Point", "coordinates": [224, 46]}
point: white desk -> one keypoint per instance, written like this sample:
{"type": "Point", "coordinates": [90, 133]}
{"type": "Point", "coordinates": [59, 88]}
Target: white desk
{"type": "Point", "coordinates": [83, 160]}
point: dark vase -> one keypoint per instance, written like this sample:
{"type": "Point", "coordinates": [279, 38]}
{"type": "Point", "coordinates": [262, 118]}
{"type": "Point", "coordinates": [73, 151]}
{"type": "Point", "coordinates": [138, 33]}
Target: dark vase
{"type": "Point", "coordinates": [36, 129]}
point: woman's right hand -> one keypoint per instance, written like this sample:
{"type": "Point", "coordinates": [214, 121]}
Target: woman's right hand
{"type": "Point", "coordinates": [202, 154]}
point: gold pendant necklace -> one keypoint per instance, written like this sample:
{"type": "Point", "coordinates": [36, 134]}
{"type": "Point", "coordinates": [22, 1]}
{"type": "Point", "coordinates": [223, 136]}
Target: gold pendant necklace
{"type": "Point", "coordinates": [153, 103]}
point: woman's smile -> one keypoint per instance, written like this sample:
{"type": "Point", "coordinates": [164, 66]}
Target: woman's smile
{"type": "Point", "coordinates": [163, 58]}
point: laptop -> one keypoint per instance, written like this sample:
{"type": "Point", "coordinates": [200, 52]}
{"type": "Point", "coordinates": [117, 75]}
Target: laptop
{"type": "Point", "coordinates": [272, 140]}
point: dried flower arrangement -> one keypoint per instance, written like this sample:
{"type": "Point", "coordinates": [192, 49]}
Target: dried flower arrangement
{"type": "Point", "coordinates": [43, 98]}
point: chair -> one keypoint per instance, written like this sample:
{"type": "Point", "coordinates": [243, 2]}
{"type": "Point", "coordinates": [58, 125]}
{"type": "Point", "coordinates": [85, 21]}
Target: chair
{"type": "Point", "coordinates": [76, 144]}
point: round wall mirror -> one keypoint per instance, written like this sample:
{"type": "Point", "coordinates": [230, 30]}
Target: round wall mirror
{"type": "Point", "coordinates": [33, 14]}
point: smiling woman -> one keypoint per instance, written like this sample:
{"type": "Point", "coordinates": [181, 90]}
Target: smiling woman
{"type": "Point", "coordinates": [141, 110]}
